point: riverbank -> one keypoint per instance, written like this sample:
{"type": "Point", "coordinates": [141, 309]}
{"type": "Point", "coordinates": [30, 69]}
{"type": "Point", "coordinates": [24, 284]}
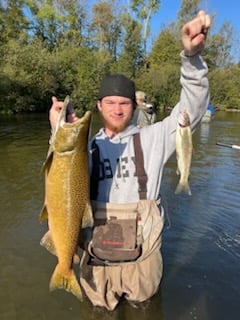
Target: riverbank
{"type": "Point", "coordinates": [232, 110]}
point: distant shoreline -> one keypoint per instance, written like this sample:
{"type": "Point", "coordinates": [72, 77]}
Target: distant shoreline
{"type": "Point", "coordinates": [232, 110]}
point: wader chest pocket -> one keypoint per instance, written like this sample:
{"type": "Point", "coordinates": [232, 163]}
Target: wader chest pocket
{"type": "Point", "coordinates": [115, 237]}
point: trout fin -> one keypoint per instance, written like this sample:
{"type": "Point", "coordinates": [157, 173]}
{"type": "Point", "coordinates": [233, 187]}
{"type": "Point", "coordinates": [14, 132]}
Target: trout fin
{"type": "Point", "coordinates": [69, 283]}
{"type": "Point", "coordinates": [183, 188]}
{"type": "Point", "coordinates": [47, 163]}
{"type": "Point", "coordinates": [43, 214]}
{"type": "Point", "coordinates": [76, 259]}
{"type": "Point", "coordinates": [48, 243]}
{"type": "Point", "coordinates": [87, 219]}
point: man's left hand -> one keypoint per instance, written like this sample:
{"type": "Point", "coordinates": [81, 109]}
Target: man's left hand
{"type": "Point", "coordinates": [194, 33]}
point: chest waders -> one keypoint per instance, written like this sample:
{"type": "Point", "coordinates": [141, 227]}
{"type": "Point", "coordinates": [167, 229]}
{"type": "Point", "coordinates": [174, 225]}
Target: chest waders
{"type": "Point", "coordinates": [124, 252]}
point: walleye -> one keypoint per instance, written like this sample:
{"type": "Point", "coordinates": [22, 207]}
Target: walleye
{"type": "Point", "coordinates": [67, 205]}
{"type": "Point", "coordinates": [183, 151]}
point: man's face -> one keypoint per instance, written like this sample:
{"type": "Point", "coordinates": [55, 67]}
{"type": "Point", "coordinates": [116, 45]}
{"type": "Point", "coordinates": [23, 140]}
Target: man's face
{"type": "Point", "coordinates": [116, 113]}
{"type": "Point", "coordinates": [140, 101]}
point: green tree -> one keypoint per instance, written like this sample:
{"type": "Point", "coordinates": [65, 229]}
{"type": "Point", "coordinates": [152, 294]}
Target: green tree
{"type": "Point", "coordinates": [75, 22]}
{"type": "Point", "coordinates": [131, 57]}
{"type": "Point", "coordinates": [27, 84]}
{"type": "Point", "coordinates": [161, 84]}
{"type": "Point", "coordinates": [161, 78]}
{"type": "Point", "coordinates": [166, 48]}
{"type": "Point", "coordinates": [105, 27]}
{"type": "Point", "coordinates": [54, 47]}
{"type": "Point", "coordinates": [13, 22]}
{"type": "Point", "coordinates": [81, 72]}
{"type": "Point", "coordinates": [144, 10]}
{"type": "Point", "coordinates": [46, 24]}
{"type": "Point", "coordinates": [54, 21]}
{"type": "Point", "coordinates": [187, 11]}
{"type": "Point", "coordinates": [225, 85]}
{"type": "Point", "coordinates": [219, 47]}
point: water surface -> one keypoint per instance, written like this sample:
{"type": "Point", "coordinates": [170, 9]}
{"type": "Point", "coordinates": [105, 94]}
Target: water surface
{"type": "Point", "coordinates": [201, 239]}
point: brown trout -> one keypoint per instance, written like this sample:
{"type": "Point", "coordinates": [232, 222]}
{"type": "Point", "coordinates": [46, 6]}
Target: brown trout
{"type": "Point", "coordinates": [183, 151]}
{"type": "Point", "coordinates": [67, 205]}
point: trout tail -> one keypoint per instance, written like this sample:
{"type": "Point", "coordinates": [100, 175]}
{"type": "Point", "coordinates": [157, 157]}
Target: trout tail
{"type": "Point", "coordinates": [183, 188]}
{"type": "Point", "coordinates": [68, 283]}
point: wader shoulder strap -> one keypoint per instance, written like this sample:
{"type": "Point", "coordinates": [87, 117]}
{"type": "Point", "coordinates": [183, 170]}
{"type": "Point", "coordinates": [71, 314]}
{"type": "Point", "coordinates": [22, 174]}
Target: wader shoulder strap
{"type": "Point", "coordinates": [140, 171]}
{"type": "Point", "coordinates": [139, 162]}
{"type": "Point", "coordinates": [95, 171]}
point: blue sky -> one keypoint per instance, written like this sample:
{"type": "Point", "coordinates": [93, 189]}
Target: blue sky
{"type": "Point", "coordinates": [223, 10]}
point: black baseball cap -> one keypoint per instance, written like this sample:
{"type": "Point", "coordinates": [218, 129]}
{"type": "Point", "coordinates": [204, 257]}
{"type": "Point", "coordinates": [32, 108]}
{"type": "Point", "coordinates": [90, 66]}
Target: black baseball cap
{"type": "Point", "coordinates": [117, 85]}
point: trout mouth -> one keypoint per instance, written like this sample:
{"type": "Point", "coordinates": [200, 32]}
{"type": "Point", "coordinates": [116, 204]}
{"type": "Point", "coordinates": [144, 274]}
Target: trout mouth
{"type": "Point", "coordinates": [68, 109]}
{"type": "Point", "coordinates": [183, 119]}
{"type": "Point", "coordinates": [85, 119]}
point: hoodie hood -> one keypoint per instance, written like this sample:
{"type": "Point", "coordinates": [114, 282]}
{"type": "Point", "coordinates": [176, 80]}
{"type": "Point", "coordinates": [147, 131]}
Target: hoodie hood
{"type": "Point", "coordinates": [129, 131]}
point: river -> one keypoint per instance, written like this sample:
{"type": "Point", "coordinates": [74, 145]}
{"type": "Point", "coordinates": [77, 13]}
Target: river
{"type": "Point", "coordinates": [201, 239]}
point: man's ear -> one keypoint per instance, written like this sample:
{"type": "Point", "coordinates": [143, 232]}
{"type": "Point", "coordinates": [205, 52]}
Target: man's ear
{"type": "Point", "coordinates": [99, 105]}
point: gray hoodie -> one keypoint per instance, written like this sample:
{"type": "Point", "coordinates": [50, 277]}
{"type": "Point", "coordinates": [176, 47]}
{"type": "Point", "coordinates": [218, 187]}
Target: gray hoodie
{"type": "Point", "coordinates": [117, 179]}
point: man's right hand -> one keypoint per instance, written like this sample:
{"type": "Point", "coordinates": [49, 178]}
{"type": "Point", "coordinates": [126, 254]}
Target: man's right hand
{"type": "Point", "coordinates": [54, 112]}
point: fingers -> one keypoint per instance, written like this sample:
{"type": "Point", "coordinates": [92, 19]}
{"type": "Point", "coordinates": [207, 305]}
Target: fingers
{"type": "Point", "coordinates": [54, 111]}
{"type": "Point", "coordinates": [71, 117]}
{"type": "Point", "coordinates": [198, 25]}
{"type": "Point", "coordinates": [194, 33]}
{"type": "Point", "coordinates": [205, 21]}
{"type": "Point", "coordinates": [56, 108]}
{"type": "Point", "coordinates": [56, 105]}
{"type": "Point", "coordinates": [54, 99]}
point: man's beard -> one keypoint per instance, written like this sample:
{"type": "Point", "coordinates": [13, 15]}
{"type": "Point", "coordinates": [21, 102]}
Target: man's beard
{"type": "Point", "coordinates": [116, 128]}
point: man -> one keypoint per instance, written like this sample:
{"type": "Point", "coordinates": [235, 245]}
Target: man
{"type": "Point", "coordinates": [144, 114]}
{"type": "Point", "coordinates": [123, 257]}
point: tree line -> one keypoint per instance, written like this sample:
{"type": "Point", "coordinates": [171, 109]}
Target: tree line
{"type": "Point", "coordinates": [56, 47]}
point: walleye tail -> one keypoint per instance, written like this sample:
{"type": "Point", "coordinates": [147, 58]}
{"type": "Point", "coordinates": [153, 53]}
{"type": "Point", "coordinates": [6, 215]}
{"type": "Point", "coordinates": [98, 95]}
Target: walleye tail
{"type": "Point", "coordinates": [69, 283]}
{"type": "Point", "coordinates": [183, 188]}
